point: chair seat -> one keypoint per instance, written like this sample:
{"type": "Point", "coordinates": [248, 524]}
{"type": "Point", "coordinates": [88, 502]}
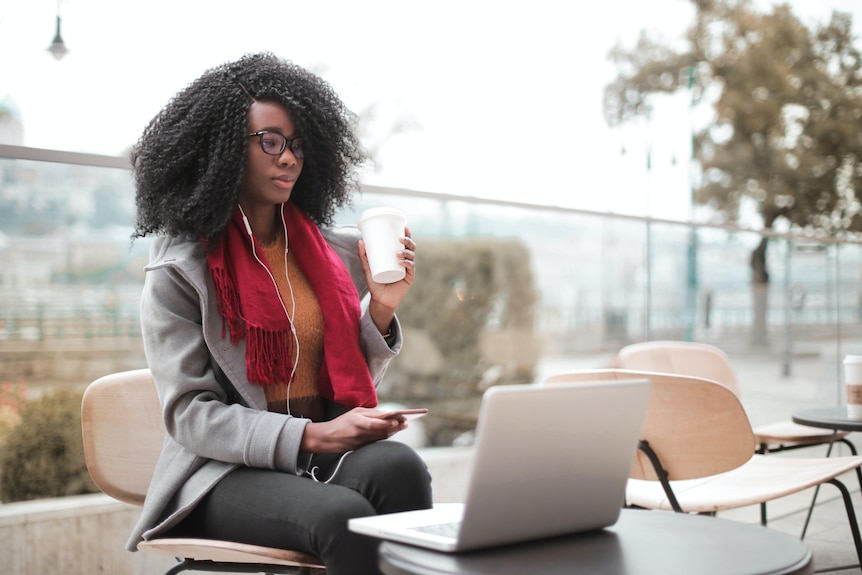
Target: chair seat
{"type": "Point", "coordinates": [788, 432]}
{"type": "Point", "coordinates": [762, 478]}
{"type": "Point", "coordinates": [227, 551]}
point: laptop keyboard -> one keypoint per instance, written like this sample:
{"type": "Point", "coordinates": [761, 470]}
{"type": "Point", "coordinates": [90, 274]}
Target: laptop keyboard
{"type": "Point", "coordinates": [443, 529]}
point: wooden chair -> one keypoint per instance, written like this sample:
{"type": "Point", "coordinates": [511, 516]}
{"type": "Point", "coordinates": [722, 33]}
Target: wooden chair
{"type": "Point", "coordinates": [695, 454]}
{"type": "Point", "coordinates": [123, 434]}
{"type": "Point", "coordinates": [711, 362]}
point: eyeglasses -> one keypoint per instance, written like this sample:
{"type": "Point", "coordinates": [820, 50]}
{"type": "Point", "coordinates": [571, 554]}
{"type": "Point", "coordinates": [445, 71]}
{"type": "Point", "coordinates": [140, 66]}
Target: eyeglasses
{"type": "Point", "coordinates": [273, 143]}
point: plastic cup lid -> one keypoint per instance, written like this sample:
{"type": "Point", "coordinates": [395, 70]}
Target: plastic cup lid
{"type": "Point", "coordinates": [371, 212]}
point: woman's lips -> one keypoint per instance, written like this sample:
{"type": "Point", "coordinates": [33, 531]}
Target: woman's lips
{"type": "Point", "coordinates": [284, 181]}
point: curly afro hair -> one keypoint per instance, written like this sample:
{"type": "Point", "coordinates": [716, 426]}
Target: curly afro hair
{"type": "Point", "coordinates": [191, 158]}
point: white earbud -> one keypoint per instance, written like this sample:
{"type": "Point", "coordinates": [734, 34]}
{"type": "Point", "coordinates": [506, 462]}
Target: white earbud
{"type": "Point", "coordinates": [245, 221]}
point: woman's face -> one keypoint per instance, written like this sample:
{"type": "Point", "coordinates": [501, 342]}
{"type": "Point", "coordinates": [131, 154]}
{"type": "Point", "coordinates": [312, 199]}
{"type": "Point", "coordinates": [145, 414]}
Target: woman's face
{"type": "Point", "coordinates": [270, 175]}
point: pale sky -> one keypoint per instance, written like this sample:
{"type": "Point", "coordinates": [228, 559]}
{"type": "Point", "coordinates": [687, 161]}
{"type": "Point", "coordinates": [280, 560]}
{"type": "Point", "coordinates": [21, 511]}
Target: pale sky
{"type": "Point", "coordinates": [504, 98]}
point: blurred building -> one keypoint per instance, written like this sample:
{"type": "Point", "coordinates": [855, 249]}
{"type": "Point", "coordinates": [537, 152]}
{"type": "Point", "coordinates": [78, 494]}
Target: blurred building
{"type": "Point", "coordinates": [11, 126]}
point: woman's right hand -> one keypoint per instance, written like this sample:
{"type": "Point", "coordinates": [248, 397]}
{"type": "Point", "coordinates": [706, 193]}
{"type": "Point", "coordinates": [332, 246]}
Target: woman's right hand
{"type": "Point", "coordinates": [351, 430]}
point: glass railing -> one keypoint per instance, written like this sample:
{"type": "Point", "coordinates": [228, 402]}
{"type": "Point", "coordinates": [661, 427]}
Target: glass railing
{"type": "Point", "coordinates": [70, 279]}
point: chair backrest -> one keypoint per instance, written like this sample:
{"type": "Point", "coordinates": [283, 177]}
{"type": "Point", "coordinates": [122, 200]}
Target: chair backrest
{"type": "Point", "coordinates": [121, 420]}
{"type": "Point", "coordinates": [680, 357]}
{"type": "Point", "coordinates": [696, 426]}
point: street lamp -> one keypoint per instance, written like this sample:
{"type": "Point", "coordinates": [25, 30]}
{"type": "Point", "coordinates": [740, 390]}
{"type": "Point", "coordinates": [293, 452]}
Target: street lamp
{"type": "Point", "coordinates": [58, 47]}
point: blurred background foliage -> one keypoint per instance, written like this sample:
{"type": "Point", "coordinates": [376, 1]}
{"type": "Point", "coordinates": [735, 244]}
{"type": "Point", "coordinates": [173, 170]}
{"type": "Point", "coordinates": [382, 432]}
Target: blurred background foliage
{"type": "Point", "coordinates": [785, 129]}
{"type": "Point", "coordinates": [468, 324]}
{"type": "Point", "coordinates": [43, 455]}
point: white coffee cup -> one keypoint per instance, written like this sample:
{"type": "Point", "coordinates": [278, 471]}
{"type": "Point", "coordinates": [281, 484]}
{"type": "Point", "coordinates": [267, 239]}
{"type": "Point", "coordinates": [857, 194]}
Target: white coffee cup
{"type": "Point", "coordinates": [853, 381]}
{"type": "Point", "coordinates": [382, 228]}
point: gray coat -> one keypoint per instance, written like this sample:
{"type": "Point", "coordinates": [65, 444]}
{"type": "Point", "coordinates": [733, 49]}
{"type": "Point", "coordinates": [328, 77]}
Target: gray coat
{"type": "Point", "coordinates": [216, 420]}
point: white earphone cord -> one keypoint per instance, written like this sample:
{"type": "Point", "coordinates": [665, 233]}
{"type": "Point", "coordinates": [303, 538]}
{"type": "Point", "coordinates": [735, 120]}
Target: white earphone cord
{"type": "Point", "coordinates": [289, 316]}
{"type": "Point", "coordinates": [312, 472]}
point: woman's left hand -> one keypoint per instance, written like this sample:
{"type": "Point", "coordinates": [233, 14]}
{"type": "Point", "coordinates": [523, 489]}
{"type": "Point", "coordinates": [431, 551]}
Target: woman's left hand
{"type": "Point", "coordinates": [385, 298]}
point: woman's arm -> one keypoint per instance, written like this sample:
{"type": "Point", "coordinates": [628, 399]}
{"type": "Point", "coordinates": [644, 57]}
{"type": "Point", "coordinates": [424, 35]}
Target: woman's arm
{"type": "Point", "coordinates": [378, 351]}
{"type": "Point", "coordinates": [385, 298]}
{"type": "Point", "coordinates": [196, 409]}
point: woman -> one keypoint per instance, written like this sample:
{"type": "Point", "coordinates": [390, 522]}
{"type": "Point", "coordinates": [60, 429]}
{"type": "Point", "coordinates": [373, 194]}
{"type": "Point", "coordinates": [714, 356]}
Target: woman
{"type": "Point", "coordinates": [265, 365]}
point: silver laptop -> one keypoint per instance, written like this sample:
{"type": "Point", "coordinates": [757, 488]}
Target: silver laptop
{"type": "Point", "coordinates": [549, 460]}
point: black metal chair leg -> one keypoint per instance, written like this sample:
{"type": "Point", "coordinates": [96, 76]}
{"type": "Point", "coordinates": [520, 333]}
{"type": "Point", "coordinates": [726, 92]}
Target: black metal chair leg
{"type": "Point", "coordinates": [762, 449]}
{"type": "Point", "coordinates": [660, 471]}
{"type": "Point", "coordinates": [817, 491]}
{"type": "Point", "coordinates": [851, 517]}
{"type": "Point", "coordinates": [852, 449]}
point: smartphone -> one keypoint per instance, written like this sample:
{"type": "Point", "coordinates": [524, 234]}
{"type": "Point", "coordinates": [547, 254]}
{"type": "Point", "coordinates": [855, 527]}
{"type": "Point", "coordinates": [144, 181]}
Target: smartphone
{"type": "Point", "coordinates": [406, 413]}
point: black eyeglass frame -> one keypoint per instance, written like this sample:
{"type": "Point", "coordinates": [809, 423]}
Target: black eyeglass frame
{"type": "Point", "coordinates": [286, 142]}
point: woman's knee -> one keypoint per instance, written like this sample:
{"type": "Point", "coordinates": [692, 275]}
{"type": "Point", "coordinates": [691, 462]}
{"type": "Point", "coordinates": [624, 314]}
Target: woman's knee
{"type": "Point", "coordinates": [395, 461]}
{"type": "Point", "coordinates": [341, 506]}
{"type": "Point", "coordinates": [393, 477]}
{"type": "Point", "coordinates": [406, 462]}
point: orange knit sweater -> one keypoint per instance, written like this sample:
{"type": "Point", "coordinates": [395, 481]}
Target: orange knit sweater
{"type": "Point", "coordinates": [305, 314]}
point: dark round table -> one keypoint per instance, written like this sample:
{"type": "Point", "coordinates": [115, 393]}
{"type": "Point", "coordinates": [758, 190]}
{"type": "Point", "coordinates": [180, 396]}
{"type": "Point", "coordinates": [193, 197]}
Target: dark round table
{"type": "Point", "coordinates": [827, 418]}
{"type": "Point", "coordinates": [640, 543]}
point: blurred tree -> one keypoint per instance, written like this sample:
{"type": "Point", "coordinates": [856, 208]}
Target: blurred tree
{"type": "Point", "coordinates": [787, 128]}
{"type": "Point", "coordinates": [375, 131]}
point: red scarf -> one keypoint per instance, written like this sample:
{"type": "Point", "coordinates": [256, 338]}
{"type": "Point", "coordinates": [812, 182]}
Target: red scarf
{"type": "Point", "coordinates": [251, 308]}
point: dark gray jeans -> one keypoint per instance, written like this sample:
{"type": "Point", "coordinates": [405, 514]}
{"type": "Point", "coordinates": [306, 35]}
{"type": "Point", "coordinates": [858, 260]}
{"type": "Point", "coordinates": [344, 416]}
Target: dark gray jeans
{"type": "Point", "coordinates": [275, 509]}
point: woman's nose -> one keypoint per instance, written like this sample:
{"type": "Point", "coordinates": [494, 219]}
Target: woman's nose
{"type": "Point", "coordinates": [287, 157]}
